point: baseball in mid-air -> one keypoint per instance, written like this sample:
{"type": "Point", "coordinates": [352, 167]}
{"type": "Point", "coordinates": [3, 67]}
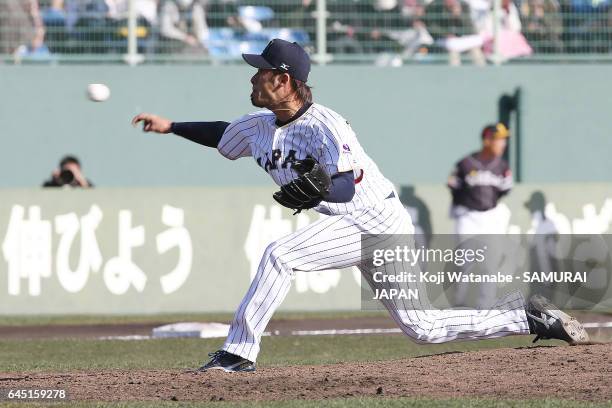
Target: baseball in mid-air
{"type": "Point", "coordinates": [98, 92]}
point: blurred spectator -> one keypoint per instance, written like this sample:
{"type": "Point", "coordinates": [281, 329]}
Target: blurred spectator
{"type": "Point", "coordinates": [22, 32]}
{"type": "Point", "coordinates": [586, 25]}
{"type": "Point", "coordinates": [183, 26]}
{"type": "Point", "coordinates": [255, 18]}
{"type": "Point", "coordinates": [33, 28]}
{"type": "Point", "coordinates": [75, 9]}
{"type": "Point", "coordinates": [450, 23]}
{"type": "Point", "coordinates": [418, 37]}
{"type": "Point", "coordinates": [480, 12]}
{"type": "Point", "coordinates": [146, 22]}
{"type": "Point", "coordinates": [509, 18]}
{"type": "Point", "coordinates": [387, 27]}
{"type": "Point", "coordinates": [68, 174]}
{"type": "Point", "coordinates": [511, 42]}
{"type": "Point", "coordinates": [413, 9]}
{"type": "Point", "coordinates": [543, 25]}
{"type": "Point", "coordinates": [299, 15]}
{"type": "Point", "coordinates": [54, 17]}
{"type": "Point", "coordinates": [384, 20]}
{"type": "Point", "coordinates": [395, 27]}
{"type": "Point", "coordinates": [346, 26]}
{"type": "Point", "coordinates": [85, 26]}
{"type": "Point", "coordinates": [94, 30]}
{"type": "Point", "coordinates": [147, 9]}
{"type": "Point", "coordinates": [222, 13]}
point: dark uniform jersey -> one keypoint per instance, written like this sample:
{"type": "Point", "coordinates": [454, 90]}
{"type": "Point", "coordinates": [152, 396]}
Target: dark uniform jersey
{"type": "Point", "coordinates": [477, 184]}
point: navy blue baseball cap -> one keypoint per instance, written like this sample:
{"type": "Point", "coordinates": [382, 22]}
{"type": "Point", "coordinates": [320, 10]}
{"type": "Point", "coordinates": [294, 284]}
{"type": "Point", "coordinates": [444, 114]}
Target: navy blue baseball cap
{"type": "Point", "coordinates": [283, 56]}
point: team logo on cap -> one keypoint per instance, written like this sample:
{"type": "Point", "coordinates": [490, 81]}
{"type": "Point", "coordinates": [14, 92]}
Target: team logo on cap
{"type": "Point", "coordinates": [284, 66]}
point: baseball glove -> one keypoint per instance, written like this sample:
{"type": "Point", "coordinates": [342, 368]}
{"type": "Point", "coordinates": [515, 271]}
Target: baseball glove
{"type": "Point", "coordinates": [308, 189]}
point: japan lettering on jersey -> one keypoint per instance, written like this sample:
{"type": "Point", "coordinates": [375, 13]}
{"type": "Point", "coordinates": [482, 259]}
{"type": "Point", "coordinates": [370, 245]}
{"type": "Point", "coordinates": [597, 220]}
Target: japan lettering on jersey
{"type": "Point", "coordinates": [319, 133]}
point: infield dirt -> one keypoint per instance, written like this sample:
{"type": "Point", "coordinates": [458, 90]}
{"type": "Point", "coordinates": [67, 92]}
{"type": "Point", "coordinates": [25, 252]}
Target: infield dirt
{"type": "Point", "coordinates": [562, 372]}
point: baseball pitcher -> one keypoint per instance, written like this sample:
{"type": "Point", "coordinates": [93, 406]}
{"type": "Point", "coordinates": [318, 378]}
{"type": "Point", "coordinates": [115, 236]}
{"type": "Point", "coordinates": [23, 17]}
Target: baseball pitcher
{"type": "Point", "coordinates": [313, 155]}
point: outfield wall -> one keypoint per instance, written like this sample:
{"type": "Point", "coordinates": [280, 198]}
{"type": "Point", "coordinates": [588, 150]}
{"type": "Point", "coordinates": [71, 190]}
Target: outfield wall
{"type": "Point", "coordinates": [123, 251]}
{"type": "Point", "coordinates": [415, 121]}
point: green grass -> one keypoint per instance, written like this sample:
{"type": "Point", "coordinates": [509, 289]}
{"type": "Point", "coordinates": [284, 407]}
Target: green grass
{"type": "Point", "coordinates": [53, 355]}
{"type": "Point", "coordinates": [39, 320]}
{"type": "Point", "coordinates": [173, 317]}
{"type": "Point", "coordinates": [346, 403]}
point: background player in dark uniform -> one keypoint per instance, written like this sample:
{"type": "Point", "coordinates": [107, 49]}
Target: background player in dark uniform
{"type": "Point", "coordinates": [477, 183]}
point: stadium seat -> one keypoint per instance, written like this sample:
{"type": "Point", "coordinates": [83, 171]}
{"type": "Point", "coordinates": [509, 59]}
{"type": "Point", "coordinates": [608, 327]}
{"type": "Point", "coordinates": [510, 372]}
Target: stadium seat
{"type": "Point", "coordinates": [220, 41]}
{"type": "Point", "coordinates": [252, 47]}
{"type": "Point", "coordinates": [258, 13]}
{"type": "Point", "coordinates": [287, 34]}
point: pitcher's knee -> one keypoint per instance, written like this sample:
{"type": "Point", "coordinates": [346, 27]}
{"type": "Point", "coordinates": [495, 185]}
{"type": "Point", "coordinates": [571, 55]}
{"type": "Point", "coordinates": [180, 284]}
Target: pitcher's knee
{"type": "Point", "coordinates": [423, 337]}
{"type": "Point", "coordinates": [419, 331]}
{"type": "Point", "coordinates": [269, 249]}
{"type": "Point", "coordinates": [276, 255]}
{"type": "Point", "coordinates": [416, 335]}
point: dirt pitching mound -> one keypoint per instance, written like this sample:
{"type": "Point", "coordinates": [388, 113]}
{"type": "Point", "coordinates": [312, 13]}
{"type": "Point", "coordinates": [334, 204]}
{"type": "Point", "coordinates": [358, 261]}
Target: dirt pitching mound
{"type": "Point", "coordinates": [565, 372]}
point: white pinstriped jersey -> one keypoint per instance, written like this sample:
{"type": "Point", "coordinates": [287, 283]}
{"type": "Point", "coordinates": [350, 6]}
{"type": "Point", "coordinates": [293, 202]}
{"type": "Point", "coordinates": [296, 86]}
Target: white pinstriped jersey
{"type": "Point", "coordinates": [335, 242]}
{"type": "Point", "coordinates": [319, 133]}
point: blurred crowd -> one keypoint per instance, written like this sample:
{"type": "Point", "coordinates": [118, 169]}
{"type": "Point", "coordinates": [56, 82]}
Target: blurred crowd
{"type": "Point", "coordinates": [226, 28]}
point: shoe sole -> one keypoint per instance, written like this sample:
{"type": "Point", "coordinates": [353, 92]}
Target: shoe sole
{"type": "Point", "coordinates": [229, 371]}
{"type": "Point", "coordinates": [201, 370]}
{"type": "Point", "coordinates": [572, 327]}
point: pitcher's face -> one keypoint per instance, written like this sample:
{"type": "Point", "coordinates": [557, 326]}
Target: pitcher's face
{"type": "Point", "coordinates": [264, 88]}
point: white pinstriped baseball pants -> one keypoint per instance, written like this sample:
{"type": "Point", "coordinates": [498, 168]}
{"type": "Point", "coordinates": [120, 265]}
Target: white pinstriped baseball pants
{"type": "Point", "coordinates": [335, 242]}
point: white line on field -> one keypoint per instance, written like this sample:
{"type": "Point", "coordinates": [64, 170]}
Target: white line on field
{"type": "Point", "coordinates": [132, 337]}
{"type": "Point", "coordinates": [597, 325]}
{"type": "Point", "coordinates": [336, 332]}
